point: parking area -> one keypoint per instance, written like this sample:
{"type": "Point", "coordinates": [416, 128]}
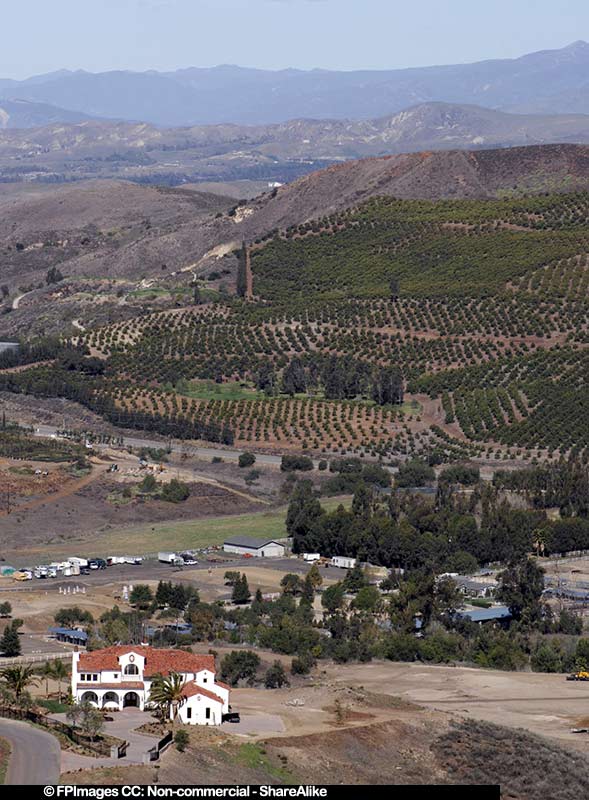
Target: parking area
{"type": "Point", "coordinates": [255, 724]}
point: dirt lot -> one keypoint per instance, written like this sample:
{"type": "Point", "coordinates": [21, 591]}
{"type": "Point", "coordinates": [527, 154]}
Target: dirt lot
{"type": "Point", "coordinates": [38, 606]}
{"type": "Point", "coordinates": [540, 703]}
{"type": "Point", "coordinates": [568, 569]}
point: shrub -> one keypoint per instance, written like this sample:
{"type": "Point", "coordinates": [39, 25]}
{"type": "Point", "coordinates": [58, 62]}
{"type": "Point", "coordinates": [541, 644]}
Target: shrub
{"type": "Point", "coordinates": [302, 665]}
{"type": "Point", "coordinates": [293, 463]}
{"type": "Point", "coordinates": [275, 676]}
{"type": "Point", "coordinates": [181, 740]}
{"type": "Point", "coordinates": [415, 473]}
{"type": "Point", "coordinates": [246, 460]}
{"type": "Point", "coordinates": [175, 491]}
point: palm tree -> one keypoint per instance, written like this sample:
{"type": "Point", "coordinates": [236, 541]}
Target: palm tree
{"type": "Point", "coordinates": [25, 702]}
{"type": "Point", "coordinates": [18, 678]}
{"type": "Point", "coordinates": [6, 696]}
{"type": "Point", "coordinates": [59, 672]}
{"type": "Point", "coordinates": [167, 693]}
{"type": "Point", "coordinates": [46, 673]}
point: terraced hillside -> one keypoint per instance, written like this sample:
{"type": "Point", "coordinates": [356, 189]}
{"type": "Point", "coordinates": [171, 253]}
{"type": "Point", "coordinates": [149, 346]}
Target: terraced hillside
{"type": "Point", "coordinates": [451, 328]}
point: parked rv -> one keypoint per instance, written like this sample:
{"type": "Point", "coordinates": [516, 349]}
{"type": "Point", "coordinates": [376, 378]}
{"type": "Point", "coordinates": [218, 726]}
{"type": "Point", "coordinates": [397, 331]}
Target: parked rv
{"type": "Point", "coordinates": [343, 562]}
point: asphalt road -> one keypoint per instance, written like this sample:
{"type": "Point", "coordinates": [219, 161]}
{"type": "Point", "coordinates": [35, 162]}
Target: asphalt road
{"type": "Point", "coordinates": [35, 757]}
{"type": "Point", "coordinates": [200, 452]}
{"type": "Point", "coordinates": [227, 454]}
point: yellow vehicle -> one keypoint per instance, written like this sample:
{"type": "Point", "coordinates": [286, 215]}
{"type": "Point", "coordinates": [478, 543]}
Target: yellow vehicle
{"type": "Point", "coordinates": [582, 675]}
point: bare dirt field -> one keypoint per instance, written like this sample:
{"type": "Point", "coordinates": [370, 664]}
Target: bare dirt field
{"type": "Point", "coordinates": [540, 703]}
{"type": "Point", "coordinates": [568, 570]}
{"type": "Point", "coordinates": [37, 607]}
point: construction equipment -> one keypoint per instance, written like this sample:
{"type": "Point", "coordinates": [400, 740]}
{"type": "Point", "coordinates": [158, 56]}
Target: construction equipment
{"type": "Point", "coordinates": [582, 675]}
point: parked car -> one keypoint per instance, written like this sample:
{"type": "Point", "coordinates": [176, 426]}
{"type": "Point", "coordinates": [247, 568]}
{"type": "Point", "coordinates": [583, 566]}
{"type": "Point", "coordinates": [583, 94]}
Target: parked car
{"type": "Point", "coordinates": [233, 716]}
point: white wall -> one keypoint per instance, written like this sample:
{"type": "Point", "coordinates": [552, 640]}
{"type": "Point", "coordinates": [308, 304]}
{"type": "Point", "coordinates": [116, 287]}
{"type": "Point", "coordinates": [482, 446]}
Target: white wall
{"type": "Point", "coordinates": [272, 550]}
{"type": "Point", "coordinates": [196, 706]}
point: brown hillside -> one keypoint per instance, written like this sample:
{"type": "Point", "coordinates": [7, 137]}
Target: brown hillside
{"type": "Point", "coordinates": [428, 175]}
{"type": "Point", "coordinates": [154, 236]}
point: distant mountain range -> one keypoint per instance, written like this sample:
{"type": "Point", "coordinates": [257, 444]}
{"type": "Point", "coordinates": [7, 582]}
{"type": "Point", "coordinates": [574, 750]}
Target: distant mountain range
{"type": "Point", "coordinates": [546, 82]}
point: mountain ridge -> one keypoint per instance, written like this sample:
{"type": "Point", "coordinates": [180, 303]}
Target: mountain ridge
{"type": "Point", "coordinates": [276, 153]}
{"type": "Point", "coordinates": [226, 93]}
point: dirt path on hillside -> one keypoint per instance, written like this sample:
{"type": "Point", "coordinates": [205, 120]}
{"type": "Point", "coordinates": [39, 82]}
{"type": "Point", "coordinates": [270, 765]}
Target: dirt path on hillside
{"type": "Point", "coordinates": [70, 488]}
{"type": "Point", "coordinates": [237, 492]}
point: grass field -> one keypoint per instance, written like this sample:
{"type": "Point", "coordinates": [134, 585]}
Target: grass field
{"type": "Point", "coordinates": [411, 407]}
{"type": "Point", "coordinates": [183, 535]}
{"type": "Point", "coordinates": [209, 390]}
{"type": "Point", "coordinates": [4, 759]}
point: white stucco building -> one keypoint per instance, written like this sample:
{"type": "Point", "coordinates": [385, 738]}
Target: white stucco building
{"type": "Point", "coordinates": [120, 677]}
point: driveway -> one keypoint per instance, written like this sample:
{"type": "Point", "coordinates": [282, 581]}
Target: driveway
{"type": "Point", "coordinates": [34, 759]}
{"type": "Point", "coordinates": [255, 724]}
{"type": "Point", "coordinates": [123, 727]}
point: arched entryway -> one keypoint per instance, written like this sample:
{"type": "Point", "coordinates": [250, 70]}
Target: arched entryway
{"type": "Point", "coordinates": [131, 700]}
{"type": "Point", "coordinates": [90, 697]}
{"type": "Point", "coordinates": [110, 700]}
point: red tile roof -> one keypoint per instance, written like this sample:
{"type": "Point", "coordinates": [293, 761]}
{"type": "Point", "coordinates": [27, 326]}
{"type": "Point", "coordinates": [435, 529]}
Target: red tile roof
{"type": "Point", "coordinates": [223, 685]}
{"type": "Point", "coordinates": [156, 660]}
{"type": "Point", "coordinates": [192, 689]}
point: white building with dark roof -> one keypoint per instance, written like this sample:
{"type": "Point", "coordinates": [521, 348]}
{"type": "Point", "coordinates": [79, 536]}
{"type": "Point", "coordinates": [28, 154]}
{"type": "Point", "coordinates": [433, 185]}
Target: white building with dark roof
{"type": "Point", "coordinates": [259, 548]}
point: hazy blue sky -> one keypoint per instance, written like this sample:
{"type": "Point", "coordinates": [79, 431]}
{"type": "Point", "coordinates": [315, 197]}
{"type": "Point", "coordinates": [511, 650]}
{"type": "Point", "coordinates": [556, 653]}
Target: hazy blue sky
{"type": "Point", "coordinates": [43, 35]}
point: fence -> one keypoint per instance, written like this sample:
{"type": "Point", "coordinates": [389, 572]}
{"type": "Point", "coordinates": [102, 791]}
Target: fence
{"type": "Point", "coordinates": [100, 748]}
{"type": "Point", "coordinates": [34, 658]}
{"type": "Point", "coordinates": [154, 752]}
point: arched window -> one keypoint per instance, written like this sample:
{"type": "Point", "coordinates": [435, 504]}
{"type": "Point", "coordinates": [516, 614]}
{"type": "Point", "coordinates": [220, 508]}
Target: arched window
{"type": "Point", "coordinates": [131, 669]}
{"type": "Point", "coordinates": [110, 699]}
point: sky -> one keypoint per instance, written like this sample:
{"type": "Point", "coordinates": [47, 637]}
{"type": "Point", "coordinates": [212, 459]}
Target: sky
{"type": "Point", "coordinates": [44, 35]}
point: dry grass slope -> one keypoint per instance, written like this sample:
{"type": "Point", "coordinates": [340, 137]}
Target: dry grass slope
{"type": "Point", "coordinates": [526, 766]}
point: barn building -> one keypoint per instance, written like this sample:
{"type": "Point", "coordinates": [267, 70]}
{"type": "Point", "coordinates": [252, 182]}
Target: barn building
{"type": "Point", "coordinates": [259, 548]}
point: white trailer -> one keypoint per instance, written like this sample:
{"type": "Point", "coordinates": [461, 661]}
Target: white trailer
{"type": "Point", "coordinates": [79, 562]}
{"type": "Point", "coordinates": [169, 558]}
{"type": "Point", "coordinates": [312, 557]}
{"type": "Point", "coordinates": [343, 562]}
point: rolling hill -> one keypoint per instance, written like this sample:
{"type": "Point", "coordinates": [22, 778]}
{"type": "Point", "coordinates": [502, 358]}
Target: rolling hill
{"type": "Point", "coordinates": [458, 277]}
{"type": "Point", "coordinates": [27, 114]}
{"type": "Point", "coordinates": [117, 229]}
{"type": "Point", "coordinates": [62, 152]}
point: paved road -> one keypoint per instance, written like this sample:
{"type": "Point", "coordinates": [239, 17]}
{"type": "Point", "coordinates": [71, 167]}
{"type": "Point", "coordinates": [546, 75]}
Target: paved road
{"type": "Point", "coordinates": [36, 755]}
{"type": "Point", "coordinates": [201, 452]}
